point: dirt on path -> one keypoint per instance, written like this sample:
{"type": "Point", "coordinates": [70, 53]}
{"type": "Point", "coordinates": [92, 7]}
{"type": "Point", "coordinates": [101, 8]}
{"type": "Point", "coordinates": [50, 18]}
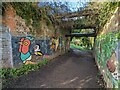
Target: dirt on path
{"type": "Point", "coordinates": [75, 69]}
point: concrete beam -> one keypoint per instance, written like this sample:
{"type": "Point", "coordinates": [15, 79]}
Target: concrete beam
{"type": "Point", "coordinates": [77, 14]}
{"type": "Point", "coordinates": [81, 35]}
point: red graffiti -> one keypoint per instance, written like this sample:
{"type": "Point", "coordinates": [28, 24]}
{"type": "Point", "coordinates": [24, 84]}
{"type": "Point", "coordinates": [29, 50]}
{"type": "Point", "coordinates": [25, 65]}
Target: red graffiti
{"type": "Point", "coordinates": [24, 45]}
{"type": "Point", "coordinates": [111, 66]}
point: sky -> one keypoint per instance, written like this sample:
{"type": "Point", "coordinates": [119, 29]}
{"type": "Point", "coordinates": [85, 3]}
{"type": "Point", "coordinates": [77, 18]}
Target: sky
{"type": "Point", "coordinates": [72, 4]}
{"type": "Point", "coordinates": [66, 0]}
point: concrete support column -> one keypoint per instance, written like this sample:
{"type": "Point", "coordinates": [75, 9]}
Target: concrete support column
{"type": "Point", "coordinates": [6, 60]}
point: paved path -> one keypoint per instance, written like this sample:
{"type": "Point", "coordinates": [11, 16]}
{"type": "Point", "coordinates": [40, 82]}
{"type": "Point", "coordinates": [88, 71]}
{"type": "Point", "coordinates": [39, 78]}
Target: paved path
{"type": "Point", "coordinates": [75, 69]}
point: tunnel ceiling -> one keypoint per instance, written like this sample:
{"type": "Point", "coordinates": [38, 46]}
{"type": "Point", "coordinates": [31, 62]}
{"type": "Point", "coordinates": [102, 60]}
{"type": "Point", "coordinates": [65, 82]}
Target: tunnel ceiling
{"type": "Point", "coordinates": [82, 19]}
{"type": "Point", "coordinates": [85, 19]}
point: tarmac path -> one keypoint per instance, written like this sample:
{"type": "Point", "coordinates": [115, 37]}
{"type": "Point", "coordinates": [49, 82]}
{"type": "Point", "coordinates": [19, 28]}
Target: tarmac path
{"type": "Point", "coordinates": [75, 69]}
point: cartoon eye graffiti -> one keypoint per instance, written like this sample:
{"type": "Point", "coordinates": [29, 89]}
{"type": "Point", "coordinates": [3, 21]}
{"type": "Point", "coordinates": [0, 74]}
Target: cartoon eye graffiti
{"type": "Point", "coordinates": [25, 43]}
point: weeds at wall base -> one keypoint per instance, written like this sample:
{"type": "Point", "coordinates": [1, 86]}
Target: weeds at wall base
{"type": "Point", "coordinates": [9, 73]}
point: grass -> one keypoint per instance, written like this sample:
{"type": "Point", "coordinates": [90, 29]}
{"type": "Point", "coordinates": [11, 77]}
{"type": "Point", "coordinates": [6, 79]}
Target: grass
{"type": "Point", "coordinates": [78, 47]}
{"type": "Point", "coordinates": [6, 73]}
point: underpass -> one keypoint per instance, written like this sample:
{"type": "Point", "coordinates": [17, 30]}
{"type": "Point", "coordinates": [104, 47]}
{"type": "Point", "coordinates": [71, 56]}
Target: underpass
{"type": "Point", "coordinates": [32, 38]}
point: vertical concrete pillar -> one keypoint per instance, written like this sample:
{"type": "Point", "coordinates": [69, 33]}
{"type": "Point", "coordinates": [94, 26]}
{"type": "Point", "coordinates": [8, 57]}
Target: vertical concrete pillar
{"type": "Point", "coordinates": [67, 43]}
{"type": "Point", "coordinates": [6, 60]}
{"type": "Point", "coordinates": [0, 46]}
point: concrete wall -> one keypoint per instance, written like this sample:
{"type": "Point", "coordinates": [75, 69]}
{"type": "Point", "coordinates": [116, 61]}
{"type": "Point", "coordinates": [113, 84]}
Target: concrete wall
{"type": "Point", "coordinates": [107, 47]}
{"type": "Point", "coordinates": [5, 48]}
{"type": "Point", "coordinates": [45, 46]}
{"type": "Point", "coordinates": [10, 56]}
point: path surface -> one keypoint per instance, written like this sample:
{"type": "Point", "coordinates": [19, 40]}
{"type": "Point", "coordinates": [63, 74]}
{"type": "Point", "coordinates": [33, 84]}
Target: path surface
{"type": "Point", "coordinates": [75, 69]}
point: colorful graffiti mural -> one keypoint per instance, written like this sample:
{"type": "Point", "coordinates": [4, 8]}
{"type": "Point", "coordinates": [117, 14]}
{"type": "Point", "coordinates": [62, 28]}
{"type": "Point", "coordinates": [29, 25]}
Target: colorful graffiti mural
{"type": "Point", "coordinates": [107, 57]}
{"type": "Point", "coordinates": [28, 51]}
{"type": "Point", "coordinates": [44, 45]}
{"type": "Point", "coordinates": [54, 43]}
{"type": "Point", "coordinates": [37, 50]}
{"type": "Point", "coordinates": [24, 50]}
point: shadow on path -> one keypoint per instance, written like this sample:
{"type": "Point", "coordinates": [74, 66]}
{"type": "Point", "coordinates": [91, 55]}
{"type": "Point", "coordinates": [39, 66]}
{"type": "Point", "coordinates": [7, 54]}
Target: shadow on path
{"type": "Point", "coordinates": [75, 69]}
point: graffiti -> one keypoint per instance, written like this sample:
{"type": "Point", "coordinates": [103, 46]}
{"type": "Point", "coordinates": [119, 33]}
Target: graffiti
{"type": "Point", "coordinates": [37, 50]}
{"type": "Point", "coordinates": [54, 43]}
{"type": "Point", "coordinates": [112, 67]}
{"type": "Point", "coordinates": [57, 44]}
{"type": "Point", "coordinates": [111, 63]}
{"type": "Point", "coordinates": [24, 50]}
{"type": "Point", "coordinates": [60, 43]}
{"type": "Point", "coordinates": [107, 56]}
{"type": "Point", "coordinates": [44, 45]}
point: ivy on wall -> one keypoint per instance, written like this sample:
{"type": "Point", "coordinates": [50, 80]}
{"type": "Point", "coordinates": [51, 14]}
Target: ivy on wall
{"type": "Point", "coordinates": [30, 12]}
{"type": "Point", "coordinates": [106, 12]}
{"type": "Point", "coordinates": [105, 46]}
{"type": "Point", "coordinates": [27, 11]}
{"type": "Point", "coordinates": [118, 35]}
{"type": "Point", "coordinates": [106, 43]}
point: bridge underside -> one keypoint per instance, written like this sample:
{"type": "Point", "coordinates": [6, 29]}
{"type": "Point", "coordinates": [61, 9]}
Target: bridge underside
{"type": "Point", "coordinates": [78, 26]}
{"type": "Point", "coordinates": [81, 35]}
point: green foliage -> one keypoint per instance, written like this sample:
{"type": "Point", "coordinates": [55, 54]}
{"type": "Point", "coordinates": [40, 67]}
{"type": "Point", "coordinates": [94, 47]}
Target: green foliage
{"type": "Point", "coordinates": [78, 47]}
{"type": "Point", "coordinates": [76, 31]}
{"type": "Point", "coordinates": [82, 31]}
{"type": "Point", "coordinates": [105, 13]}
{"type": "Point", "coordinates": [27, 11]}
{"type": "Point", "coordinates": [107, 43]}
{"type": "Point", "coordinates": [47, 19]}
{"type": "Point", "coordinates": [84, 21]}
{"type": "Point", "coordinates": [82, 43]}
{"type": "Point", "coordinates": [31, 13]}
{"type": "Point", "coordinates": [25, 69]}
{"type": "Point", "coordinates": [118, 35]}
